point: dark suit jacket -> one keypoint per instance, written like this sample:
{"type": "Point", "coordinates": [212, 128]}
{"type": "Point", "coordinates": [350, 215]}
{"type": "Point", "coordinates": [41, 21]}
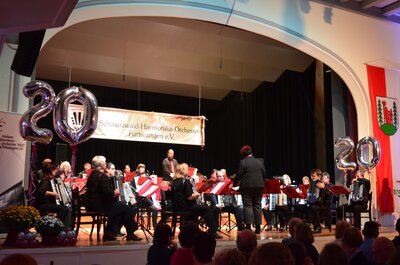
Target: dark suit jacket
{"type": "Point", "coordinates": [251, 173]}
{"type": "Point", "coordinates": [166, 168]}
{"type": "Point", "coordinates": [100, 192]}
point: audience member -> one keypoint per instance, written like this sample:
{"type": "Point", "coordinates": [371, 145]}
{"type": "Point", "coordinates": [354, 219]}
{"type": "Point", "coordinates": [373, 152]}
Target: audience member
{"type": "Point", "coordinates": [299, 253]}
{"type": "Point", "coordinates": [246, 242]}
{"type": "Point", "coordinates": [292, 222]}
{"type": "Point", "coordinates": [340, 228]}
{"type": "Point", "coordinates": [203, 248]}
{"type": "Point", "coordinates": [160, 253]}
{"type": "Point", "coordinates": [370, 233]}
{"type": "Point", "coordinates": [272, 253]}
{"type": "Point", "coordinates": [229, 256]}
{"type": "Point", "coordinates": [395, 258]}
{"type": "Point", "coordinates": [351, 242]}
{"type": "Point", "coordinates": [18, 259]}
{"type": "Point", "coordinates": [304, 235]}
{"type": "Point", "coordinates": [396, 240]}
{"type": "Point", "coordinates": [183, 255]}
{"type": "Point", "coordinates": [332, 254]}
{"type": "Point", "coordinates": [382, 250]}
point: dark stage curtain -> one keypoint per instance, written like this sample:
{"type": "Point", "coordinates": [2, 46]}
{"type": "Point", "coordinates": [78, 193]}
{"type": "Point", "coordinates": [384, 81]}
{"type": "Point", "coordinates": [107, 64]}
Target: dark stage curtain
{"type": "Point", "coordinates": [276, 119]}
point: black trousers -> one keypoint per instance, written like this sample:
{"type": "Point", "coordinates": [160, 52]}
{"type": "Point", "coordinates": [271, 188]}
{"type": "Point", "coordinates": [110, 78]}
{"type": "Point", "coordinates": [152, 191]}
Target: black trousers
{"type": "Point", "coordinates": [63, 212]}
{"type": "Point", "coordinates": [252, 206]}
{"type": "Point", "coordinates": [119, 214]}
{"type": "Point", "coordinates": [355, 209]}
{"type": "Point", "coordinates": [316, 212]}
{"type": "Point", "coordinates": [207, 213]}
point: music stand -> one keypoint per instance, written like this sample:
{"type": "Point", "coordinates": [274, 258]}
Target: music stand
{"type": "Point", "coordinates": [291, 193]}
{"type": "Point", "coordinates": [140, 218]}
{"type": "Point", "coordinates": [271, 186]}
{"type": "Point", "coordinates": [338, 190]}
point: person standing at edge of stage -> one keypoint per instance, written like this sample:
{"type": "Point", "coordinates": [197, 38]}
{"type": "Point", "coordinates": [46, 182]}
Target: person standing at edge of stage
{"type": "Point", "coordinates": [169, 165]}
{"type": "Point", "coordinates": [251, 174]}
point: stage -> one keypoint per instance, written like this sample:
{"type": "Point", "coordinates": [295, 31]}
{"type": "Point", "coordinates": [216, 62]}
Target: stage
{"type": "Point", "coordinates": [94, 252]}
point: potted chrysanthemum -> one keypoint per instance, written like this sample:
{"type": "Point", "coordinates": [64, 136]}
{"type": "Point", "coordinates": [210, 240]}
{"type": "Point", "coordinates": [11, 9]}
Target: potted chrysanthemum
{"type": "Point", "coordinates": [17, 219]}
{"type": "Point", "coordinates": [49, 227]}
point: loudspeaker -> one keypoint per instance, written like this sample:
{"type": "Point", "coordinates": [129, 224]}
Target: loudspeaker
{"type": "Point", "coordinates": [27, 52]}
{"type": "Point", "coordinates": [61, 152]}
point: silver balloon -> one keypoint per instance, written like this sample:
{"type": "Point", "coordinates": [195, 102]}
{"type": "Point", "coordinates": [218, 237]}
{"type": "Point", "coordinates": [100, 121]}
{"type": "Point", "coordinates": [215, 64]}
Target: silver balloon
{"type": "Point", "coordinates": [363, 153]}
{"type": "Point", "coordinates": [340, 160]}
{"type": "Point", "coordinates": [28, 123]}
{"type": "Point", "coordinates": [86, 125]}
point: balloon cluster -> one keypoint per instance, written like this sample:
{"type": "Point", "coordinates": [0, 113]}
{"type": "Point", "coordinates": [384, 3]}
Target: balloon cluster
{"type": "Point", "coordinates": [27, 239]}
{"type": "Point", "coordinates": [365, 160]}
{"type": "Point", "coordinates": [59, 105]}
{"type": "Point", "coordinates": [66, 238]}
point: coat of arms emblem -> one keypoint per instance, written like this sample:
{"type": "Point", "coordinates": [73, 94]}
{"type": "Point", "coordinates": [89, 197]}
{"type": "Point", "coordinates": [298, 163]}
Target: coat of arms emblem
{"type": "Point", "coordinates": [387, 114]}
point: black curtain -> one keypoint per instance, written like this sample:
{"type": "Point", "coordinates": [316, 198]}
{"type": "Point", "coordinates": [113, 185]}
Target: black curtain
{"type": "Point", "coordinates": [276, 119]}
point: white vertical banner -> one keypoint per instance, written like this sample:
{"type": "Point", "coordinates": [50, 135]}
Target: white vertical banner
{"type": "Point", "coordinates": [131, 125]}
{"type": "Point", "coordinates": [12, 151]}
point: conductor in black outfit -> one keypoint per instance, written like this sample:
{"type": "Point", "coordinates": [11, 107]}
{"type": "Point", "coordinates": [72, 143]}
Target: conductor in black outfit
{"type": "Point", "coordinates": [102, 197]}
{"type": "Point", "coordinates": [251, 174]}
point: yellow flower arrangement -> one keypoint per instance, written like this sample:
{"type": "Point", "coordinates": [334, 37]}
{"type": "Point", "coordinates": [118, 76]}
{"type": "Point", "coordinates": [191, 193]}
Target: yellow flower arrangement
{"type": "Point", "coordinates": [19, 217]}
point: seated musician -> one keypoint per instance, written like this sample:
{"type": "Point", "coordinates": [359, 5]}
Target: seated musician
{"type": "Point", "coordinates": [319, 200]}
{"type": "Point", "coordinates": [301, 207]}
{"type": "Point", "coordinates": [143, 201]}
{"type": "Point", "coordinates": [46, 198]}
{"type": "Point", "coordinates": [268, 212]}
{"type": "Point", "coordinates": [66, 167]}
{"type": "Point", "coordinates": [85, 172]}
{"type": "Point", "coordinates": [358, 200]}
{"type": "Point", "coordinates": [101, 197]}
{"type": "Point", "coordinates": [185, 199]}
{"type": "Point", "coordinates": [227, 202]}
{"type": "Point", "coordinates": [128, 175]}
{"type": "Point", "coordinates": [281, 208]}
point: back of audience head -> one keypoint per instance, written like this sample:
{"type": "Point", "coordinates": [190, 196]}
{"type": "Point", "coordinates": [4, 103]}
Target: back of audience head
{"type": "Point", "coordinates": [298, 251]}
{"type": "Point", "coordinates": [341, 227]}
{"type": "Point", "coordinates": [203, 247]}
{"type": "Point", "coordinates": [188, 231]}
{"type": "Point", "coordinates": [352, 238]}
{"type": "Point", "coordinates": [246, 242]}
{"type": "Point", "coordinates": [332, 254]}
{"type": "Point", "coordinates": [382, 250]}
{"type": "Point", "coordinates": [395, 258]}
{"type": "Point", "coordinates": [162, 235]}
{"type": "Point", "coordinates": [303, 233]}
{"type": "Point", "coordinates": [229, 256]}
{"type": "Point", "coordinates": [18, 259]}
{"type": "Point", "coordinates": [292, 223]}
{"type": "Point", "coordinates": [272, 253]}
{"type": "Point", "coordinates": [370, 230]}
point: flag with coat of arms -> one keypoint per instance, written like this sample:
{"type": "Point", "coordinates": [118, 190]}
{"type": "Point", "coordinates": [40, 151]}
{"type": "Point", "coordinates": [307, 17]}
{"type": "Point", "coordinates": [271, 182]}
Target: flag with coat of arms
{"type": "Point", "coordinates": [384, 92]}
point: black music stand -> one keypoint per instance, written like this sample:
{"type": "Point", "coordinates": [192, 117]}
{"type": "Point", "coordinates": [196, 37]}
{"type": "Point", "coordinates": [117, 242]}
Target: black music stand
{"type": "Point", "coordinates": [271, 186]}
{"type": "Point", "coordinates": [141, 207]}
{"type": "Point", "coordinates": [338, 190]}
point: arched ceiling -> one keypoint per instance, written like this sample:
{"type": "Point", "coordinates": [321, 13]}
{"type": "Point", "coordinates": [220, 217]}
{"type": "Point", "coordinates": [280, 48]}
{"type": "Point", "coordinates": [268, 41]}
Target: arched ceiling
{"type": "Point", "coordinates": [166, 55]}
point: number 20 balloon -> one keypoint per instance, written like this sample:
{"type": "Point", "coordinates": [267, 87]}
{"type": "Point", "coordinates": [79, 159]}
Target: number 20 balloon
{"type": "Point", "coordinates": [341, 162]}
{"type": "Point", "coordinates": [71, 135]}
{"type": "Point", "coordinates": [28, 128]}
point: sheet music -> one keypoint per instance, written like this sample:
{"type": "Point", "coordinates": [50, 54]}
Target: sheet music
{"type": "Point", "coordinates": [150, 191]}
{"type": "Point", "coordinates": [217, 187]}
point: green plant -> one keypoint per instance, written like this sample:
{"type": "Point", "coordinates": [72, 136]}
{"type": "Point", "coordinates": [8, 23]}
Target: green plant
{"type": "Point", "coordinates": [49, 225]}
{"type": "Point", "coordinates": [19, 217]}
